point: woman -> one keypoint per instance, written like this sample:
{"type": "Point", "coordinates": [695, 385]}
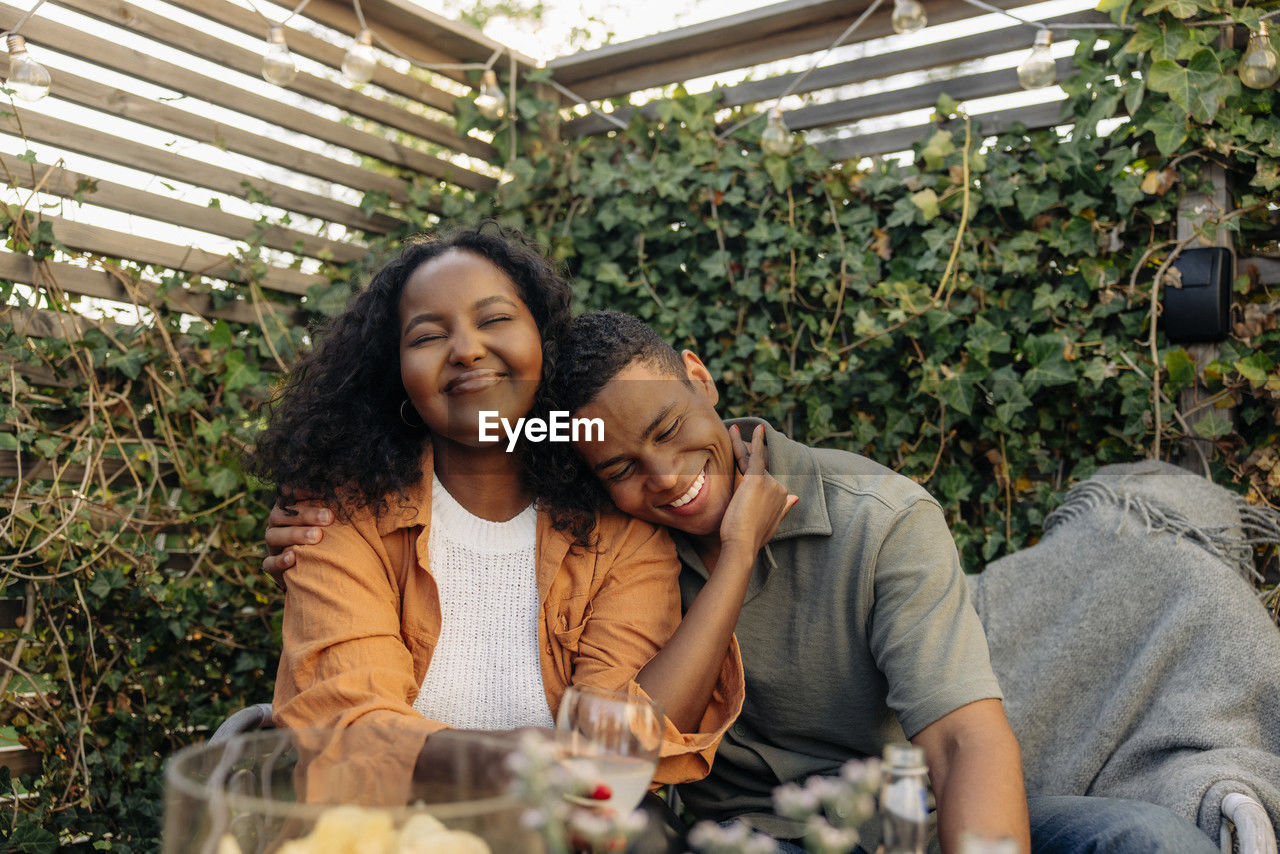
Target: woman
{"type": "Point", "coordinates": [444, 596]}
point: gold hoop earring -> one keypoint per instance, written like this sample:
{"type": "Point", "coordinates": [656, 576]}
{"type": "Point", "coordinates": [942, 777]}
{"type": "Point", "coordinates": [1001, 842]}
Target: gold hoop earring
{"type": "Point", "coordinates": [406, 421]}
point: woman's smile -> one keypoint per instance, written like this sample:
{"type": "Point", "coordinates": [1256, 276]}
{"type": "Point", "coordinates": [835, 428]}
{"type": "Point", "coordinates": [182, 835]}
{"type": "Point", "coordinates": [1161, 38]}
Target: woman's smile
{"type": "Point", "coordinates": [473, 381]}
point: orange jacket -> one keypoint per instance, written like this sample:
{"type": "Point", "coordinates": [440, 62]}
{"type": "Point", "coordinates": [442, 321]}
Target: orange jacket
{"type": "Point", "coordinates": [362, 616]}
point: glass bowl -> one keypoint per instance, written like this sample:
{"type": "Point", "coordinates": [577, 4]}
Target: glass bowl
{"type": "Point", "coordinates": [353, 791]}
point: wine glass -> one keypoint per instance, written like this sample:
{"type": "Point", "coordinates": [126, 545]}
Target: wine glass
{"type": "Point", "coordinates": [619, 734]}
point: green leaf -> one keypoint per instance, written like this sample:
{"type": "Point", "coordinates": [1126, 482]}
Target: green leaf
{"type": "Point", "coordinates": [1199, 88]}
{"type": "Point", "coordinates": [222, 481]}
{"type": "Point", "coordinates": [1177, 8]}
{"type": "Point", "coordinates": [1121, 6]}
{"type": "Point", "coordinates": [1255, 368]}
{"type": "Point", "coordinates": [32, 839]}
{"type": "Point", "coordinates": [128, 363]}
{"type": "Point", "coordinates": [220, 336]}
{"type": "Point", "coordinates": [927, 201]}
{"type": "Point", "coordinates": [778, 172]}
{"type": "Point", "coordinates": [1213, 425]}
{"type": "Point", "coordinates": [1179, 367]}
{"type": "Point", "coordinates": [1048, 366]}
{"type": "Point", "coordinates": [1035, 200]}
{"type": "Point", "coordinates": [958, 392]}
{"type": "Point", "coordinates": [1169, 128]}
{"type": "Point", "coordinates": [946, 106]}
{"type": "Point", "coordinates": [936, 150]}
{"type": "Point", "coordinates": [8, 442]}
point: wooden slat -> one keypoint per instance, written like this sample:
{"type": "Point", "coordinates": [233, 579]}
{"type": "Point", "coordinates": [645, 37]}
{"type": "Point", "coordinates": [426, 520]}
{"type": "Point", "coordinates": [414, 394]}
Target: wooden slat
{"type": "Point", "coordinates": [42, 375]}
{"type": "Point", "coordinates": [103, 285]}
{"type": "Point", "coordinates": [729, 43]}
{"type": "Point", "coordinates": [880, 66]}
{"type": "Point", "coordinates": [75, 136]}
{"type": "Point", "coordinates": [861, 70]}
{"type": "Point", "coordinates": [115, 244]}
{"type": "Point", "coordinates": [19, 760]}
{"type": "Point", "coordinates": [156, 114]}
{"type": "Point", "coordinates": [211, 47]}
{"type": "Point", "coordinates": [146, 67]}
{"type": "Point", "coordinates": [1268, 269]}
{"type": "Point", "coordinates": [901, 139]}
{"type": "Point", "coordinates": [321, 50]}
{"type": "Point", "coordinates": [63, 182]}
{"type": "Point", "coordinates": [415, 32]}
{"type": "Point", "coordinates": [764, 22]}
{"type": "Point", "coordinates": [33, 469]}
{"type": "Point", "coordinates": [969, 87]}
{"type": "Point", "coordinates": [46, 323]}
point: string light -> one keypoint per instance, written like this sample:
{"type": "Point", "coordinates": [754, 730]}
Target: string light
{"type": "Point", "coordinates": [278, 66]}
{"type": "Point", "coordinates": [359, 64]}
{"type": "Point", "coordinates": [28, 79]}
{"type": "Point", "coordinates": [1260, 67]}
{"type": "Point", "coordinates": [491, 103]}
{"type": "Point", "coordinates": [776, 139]}
{"type": "Point", "coordinates": [908, 16]}
{"type": "Point", "coordinates": [1038, 69]}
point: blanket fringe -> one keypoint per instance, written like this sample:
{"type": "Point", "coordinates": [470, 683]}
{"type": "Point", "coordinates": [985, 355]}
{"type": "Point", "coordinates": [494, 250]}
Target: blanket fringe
{"type": "Point", "coordinates": [1260, 526]}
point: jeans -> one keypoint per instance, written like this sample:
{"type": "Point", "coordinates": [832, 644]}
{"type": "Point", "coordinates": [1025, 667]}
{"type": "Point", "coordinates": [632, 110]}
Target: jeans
{"type": "Point", "coordinates": [1063, 824]}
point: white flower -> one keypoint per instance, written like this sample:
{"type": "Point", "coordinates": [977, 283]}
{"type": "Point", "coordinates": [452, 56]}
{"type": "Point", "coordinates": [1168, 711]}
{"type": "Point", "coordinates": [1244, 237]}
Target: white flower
{"type": "Point", "coordinates": [862, 772]}
{"type": "Point", "coordinates": [824, 838]}
{"type": "Point", "coordinates": [796, 802]}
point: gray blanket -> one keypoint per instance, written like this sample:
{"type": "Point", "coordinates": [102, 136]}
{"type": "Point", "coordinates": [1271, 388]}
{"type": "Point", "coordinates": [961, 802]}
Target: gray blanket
{"type": "Point", "coordinates": [1136, 660]}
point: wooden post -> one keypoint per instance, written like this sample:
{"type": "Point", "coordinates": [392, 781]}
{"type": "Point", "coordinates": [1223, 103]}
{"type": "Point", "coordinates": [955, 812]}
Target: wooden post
{"type": "Point", "coordinates": [1195, 210]}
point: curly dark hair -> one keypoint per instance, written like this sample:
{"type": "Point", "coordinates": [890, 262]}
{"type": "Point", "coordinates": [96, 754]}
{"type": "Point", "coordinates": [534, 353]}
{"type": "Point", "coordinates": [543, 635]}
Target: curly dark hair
{"type": "Point", "coordinates": [335, 428]}
{"type": "Point", "coordinates": [594, 349]}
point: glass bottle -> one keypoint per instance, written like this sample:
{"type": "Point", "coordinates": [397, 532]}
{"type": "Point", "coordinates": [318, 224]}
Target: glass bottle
{"type": "Point", "coordinates": [903, 810]}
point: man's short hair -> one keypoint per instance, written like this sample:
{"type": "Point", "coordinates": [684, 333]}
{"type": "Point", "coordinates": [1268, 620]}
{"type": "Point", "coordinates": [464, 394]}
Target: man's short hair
{"type": "Point", "coordinates": [598, 345]}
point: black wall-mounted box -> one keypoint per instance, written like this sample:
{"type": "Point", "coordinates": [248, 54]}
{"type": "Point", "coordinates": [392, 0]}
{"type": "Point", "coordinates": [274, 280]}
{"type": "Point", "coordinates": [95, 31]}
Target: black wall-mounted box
{"type": "Point", "coordinates": [1200, 310]}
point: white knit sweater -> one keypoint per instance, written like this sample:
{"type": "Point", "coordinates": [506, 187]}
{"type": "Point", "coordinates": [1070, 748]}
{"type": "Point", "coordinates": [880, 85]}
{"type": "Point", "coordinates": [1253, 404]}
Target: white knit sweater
{"type": "Point", "coordinates": [485, 672]}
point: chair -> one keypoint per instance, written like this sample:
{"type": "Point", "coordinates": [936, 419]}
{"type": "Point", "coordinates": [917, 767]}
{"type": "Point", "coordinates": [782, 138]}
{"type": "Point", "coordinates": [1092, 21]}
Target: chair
{"type": "Point", "coordinates": [248, 719]}
{"type": "Point", "coordinates": [1253, 832]}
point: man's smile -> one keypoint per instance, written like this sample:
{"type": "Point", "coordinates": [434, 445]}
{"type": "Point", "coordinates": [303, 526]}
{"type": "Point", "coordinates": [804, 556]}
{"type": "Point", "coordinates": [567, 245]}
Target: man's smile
{"type": "Point", "coordinates": [691, 494]}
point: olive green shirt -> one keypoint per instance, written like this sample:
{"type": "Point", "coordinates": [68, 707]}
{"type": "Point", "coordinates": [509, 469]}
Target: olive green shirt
{"type": "Point", "coordinates": [856, 631]}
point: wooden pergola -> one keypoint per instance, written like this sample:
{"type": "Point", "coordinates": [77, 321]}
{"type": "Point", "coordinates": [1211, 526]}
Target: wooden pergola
{"type": "Point", "coordinates": [307, 159]}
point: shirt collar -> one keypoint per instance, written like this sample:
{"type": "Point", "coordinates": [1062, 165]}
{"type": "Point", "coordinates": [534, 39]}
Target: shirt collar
{"type": "Point", "coordinates": [792, 464]}
{"type": "Point", "coordinates": [552, 545]}
{"type": "Point", "coordinates": [415, 507]}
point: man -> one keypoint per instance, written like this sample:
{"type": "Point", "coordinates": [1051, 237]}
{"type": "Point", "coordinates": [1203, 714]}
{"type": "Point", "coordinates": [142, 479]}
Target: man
{"type": "Point", "coordinates": [856, 629]}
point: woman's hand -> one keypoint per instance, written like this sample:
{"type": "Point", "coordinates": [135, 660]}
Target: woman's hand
{"type": "Point", "coordinates": [299, 523]}
{"type": "Point", "coordinates": [759, 501]}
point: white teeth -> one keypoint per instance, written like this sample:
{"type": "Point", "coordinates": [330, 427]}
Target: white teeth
{"type": "Point", "coordinates": [693, 491]}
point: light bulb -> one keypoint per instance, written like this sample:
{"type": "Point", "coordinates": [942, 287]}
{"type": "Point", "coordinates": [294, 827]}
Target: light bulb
{"type": "Point", "coordinates": [1038, 69]}
{"type": "Point", "coordinates": [1260, 67]}
{"type": "Point", "coordinates": [28, 79]}
{"type": "Point", "coordinates": [360, 63]}
{"type": "Point", "coordinates": [277, 63]}
{"type": "Point", "coordinates": [908, 16]}
{"type": "Point", "coordinates": [776, 139]}
{"type": "Point", "coordinates": [491, 103]}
